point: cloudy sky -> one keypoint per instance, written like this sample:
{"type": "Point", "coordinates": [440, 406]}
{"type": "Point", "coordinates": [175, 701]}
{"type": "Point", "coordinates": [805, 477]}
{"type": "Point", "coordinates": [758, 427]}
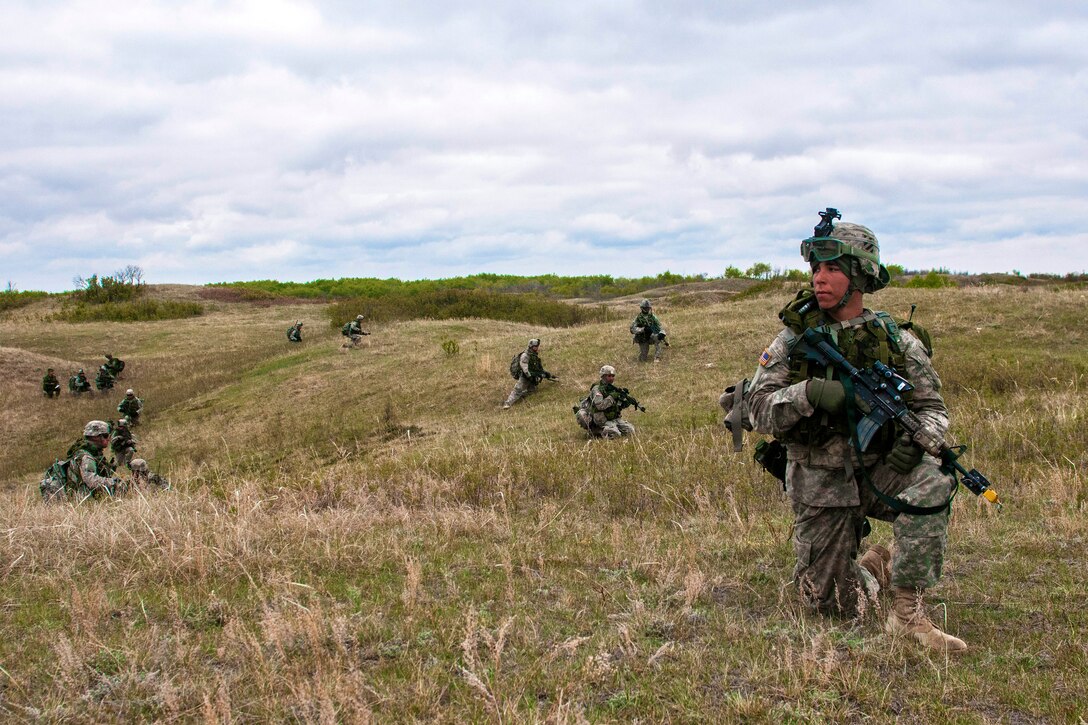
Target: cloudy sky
{"type": "Point", "coordinates": [250, 139]}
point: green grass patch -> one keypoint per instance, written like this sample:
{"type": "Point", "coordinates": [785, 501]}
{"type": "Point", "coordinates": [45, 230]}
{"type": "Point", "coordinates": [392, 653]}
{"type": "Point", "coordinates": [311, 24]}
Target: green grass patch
{"type": "Point", "coordinates": [467, 303]}
{"type": "Point", "coordinates": [141, 310]}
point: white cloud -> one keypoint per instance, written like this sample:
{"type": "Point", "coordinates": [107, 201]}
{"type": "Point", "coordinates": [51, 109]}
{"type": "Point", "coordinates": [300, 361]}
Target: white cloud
{"type": "Point", "coordinates": [227, 140]}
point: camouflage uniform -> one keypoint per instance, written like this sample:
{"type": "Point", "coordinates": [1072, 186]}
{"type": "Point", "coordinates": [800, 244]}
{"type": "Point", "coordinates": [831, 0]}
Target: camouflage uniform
{"type": "Point", "coordinates": [646, 331]}
{"type": "Point", "coordinates": [355, 332]}
{"type": "Point", "coordinates": [601, 412]}
{"type": "Point", "coordinates": [143, 477]}
{"type": "Point", "coordinates": [78, 384]}
{"type": "Point", "coordinates": [104, 379]}
{"type": "Point", "coordinates": [532, 372]}
{"type": "Point", "coordinates": [131, 407]}
{"type": "Point", "coordinates": [50, 385]}
{"type": "Point", "coordinates": [830, 502]}
{"type": "Point", "coordinates": [114, 365]}
{"type": "Point", "coordinates": [123, 445]}
{"type": "Point", "coordinates": [294, 333]}
{"type": "Point", "coordinates": [89, 473]}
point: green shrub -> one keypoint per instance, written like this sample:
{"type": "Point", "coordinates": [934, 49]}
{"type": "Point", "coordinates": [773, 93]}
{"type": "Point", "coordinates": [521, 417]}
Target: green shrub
{"type": "Point", "coordinates": [11, 300]}
{"type": "Point", "coordinates": [454, 303]}
{"type": "Point", "coordinates": [451, 348]}
{"type": "Point", "coordinates": [134, 311]}
{"type": "Point", "coordinates": [107, 289]}
{"type": "Point", "coordinates": [931, 280]}
{"type": "Point", "coordinates": [594, 286]}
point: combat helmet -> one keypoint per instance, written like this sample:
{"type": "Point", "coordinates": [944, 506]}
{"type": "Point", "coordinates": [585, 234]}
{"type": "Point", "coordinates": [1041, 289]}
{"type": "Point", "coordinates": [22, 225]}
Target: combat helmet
{"type": "Point", "coordinates": [607, 370]}
{"type": "Point", "coordinates": [96, 428]}
{"type": "Point", "coordinates": [644, 305]}
{"type": "Point", "coordinates": [857, 245]}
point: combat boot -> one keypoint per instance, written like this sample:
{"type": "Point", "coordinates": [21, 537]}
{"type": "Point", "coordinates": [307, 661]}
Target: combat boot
{"type": "Point", "coordinates": [908, 616]}
{"type": "Point", "coordinates": [878, 562]}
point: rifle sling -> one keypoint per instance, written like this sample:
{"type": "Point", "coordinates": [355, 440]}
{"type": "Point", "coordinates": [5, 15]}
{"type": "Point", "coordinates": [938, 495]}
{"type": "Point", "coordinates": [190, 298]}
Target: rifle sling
{"type": "Point", "coordinates": [891, 502]}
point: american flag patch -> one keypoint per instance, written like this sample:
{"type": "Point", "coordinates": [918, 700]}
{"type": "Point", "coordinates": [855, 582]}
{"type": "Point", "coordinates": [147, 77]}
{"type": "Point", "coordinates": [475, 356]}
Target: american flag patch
{"type": "Point", "coordinates": [765, 358]}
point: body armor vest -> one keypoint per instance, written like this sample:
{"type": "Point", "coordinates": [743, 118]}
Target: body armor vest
{"type": "Point", "coordinates": [864, 340]}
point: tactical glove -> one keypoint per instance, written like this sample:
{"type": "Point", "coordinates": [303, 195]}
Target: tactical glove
{"type": "Point", "coordinates": [904, 456]}
{"type": "Point", "coordinates": [826, 395]}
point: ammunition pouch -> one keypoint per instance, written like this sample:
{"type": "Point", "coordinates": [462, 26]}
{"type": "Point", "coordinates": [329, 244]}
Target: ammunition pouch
{"type": "Point", "coordinates": [772, 456]}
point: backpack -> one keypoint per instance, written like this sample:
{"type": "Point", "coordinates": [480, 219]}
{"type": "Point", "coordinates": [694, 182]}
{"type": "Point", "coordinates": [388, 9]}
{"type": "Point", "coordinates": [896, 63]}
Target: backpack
{"type": "Point", "coordinates": [515, 366]}
{"type": "Point", "coordinates": [54, 481]}
{"type": "Point", "coordinates": [346, 329]}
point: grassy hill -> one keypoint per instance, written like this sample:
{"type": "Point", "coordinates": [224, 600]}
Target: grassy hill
{"type": "Point", "coordinates": [364, 534]}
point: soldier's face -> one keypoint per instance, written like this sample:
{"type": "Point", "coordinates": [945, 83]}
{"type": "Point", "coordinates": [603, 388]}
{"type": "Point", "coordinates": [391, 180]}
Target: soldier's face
{"type": "Point", "coordinates": [99, 441]}
{"type": "Point", "coordinates": [830, 283]}
{"type": "Point", "coordinates": [608, 377]}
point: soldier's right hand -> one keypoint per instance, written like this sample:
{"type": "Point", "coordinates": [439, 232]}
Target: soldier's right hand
{"type": "Point", "coordinates": [827, 395]}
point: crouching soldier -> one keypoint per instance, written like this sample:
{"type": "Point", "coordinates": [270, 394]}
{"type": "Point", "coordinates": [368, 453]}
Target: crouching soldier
{"type": "Point", "coordinates": [354, 331]}
{"type": "Point", "coordinates": [78, 384]}
{"type": "Point", "coordinates": [89, 473]}
{"type": "Point", "coordinates": [131, 407]}
{"type": "Point", "coordinates": [528, 370]}
{"type": "Point", "coordinates": [114, 365]}
{"type": "Point", "coordinates": [645, 331]}
{"type": "Point", "coordinates": [143, 477]}
{"type": "Point", "coordinates": [600, 412]}
{"type": "Point", "coordinates": [123, 444]}
{"type": "Point", "coordinates": [833, 484]}
{"type": "Point", "coordinates": [294, 332]}
{"type": "Point", "coordinates": [104, 379]}
{"type": "Point", "coordinates": [50, 384]}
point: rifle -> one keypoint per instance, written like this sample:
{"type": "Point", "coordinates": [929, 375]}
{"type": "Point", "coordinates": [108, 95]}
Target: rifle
{"type": "Point", "coordinates": [882, 391]}
{"type": "Point", "coordinates": [626, 399]}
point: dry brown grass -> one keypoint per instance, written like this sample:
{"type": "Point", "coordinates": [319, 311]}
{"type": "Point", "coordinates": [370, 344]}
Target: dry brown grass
{"type": "Point", "coordinates": [363, 536]}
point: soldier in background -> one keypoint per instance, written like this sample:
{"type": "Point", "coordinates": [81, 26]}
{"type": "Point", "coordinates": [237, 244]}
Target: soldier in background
{"type": "Point", "coordinates": [122, 443]}
{"type": "Point", "coordinates": [50, 384]}
{"type": "Point", "coordinates": [143, 477]}
{"type": "Point", "coordinates": [645, 331]}
{"type": "Point", "coordinates": [530, 371]}
{"type": "Point", "coordinates": [78, 383]}
{"type": "Point", "coordinates": [294, 332]}
{"type": "Point", "coordinates": [114, 365]}
{"type": "Point", "coordinates": [832, 492]}
{"type": "Point", "coordinates": [104, 379]}
{"type": "Point", "coordinates": [354, 332]}
{"type": "Point", "coordinates": [131, 407]}
{"type": "Point", "coordinates": [600, 412]}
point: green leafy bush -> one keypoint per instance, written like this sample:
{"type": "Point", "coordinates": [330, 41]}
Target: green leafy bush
{"type": "Point", "coordinates": [107, 289]}
{"type": "Point", "coordinates": [550, 285]}
{"type": "Point", "coordinates": [459, 303]}
{"type": "Point", "coordinates": [134, 311]}
{"type": "Point", "coordinates": [10, 299]}
{"type": "Point", "coordinates": [931, 280]}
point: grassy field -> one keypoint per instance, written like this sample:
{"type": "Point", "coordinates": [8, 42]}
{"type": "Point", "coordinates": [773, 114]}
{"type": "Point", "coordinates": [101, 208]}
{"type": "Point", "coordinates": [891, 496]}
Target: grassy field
{"type": "Point", "coordinates": [365, 536]}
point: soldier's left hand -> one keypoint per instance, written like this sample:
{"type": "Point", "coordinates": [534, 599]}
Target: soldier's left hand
{"type": "Point", "coordinates": [904, 456]}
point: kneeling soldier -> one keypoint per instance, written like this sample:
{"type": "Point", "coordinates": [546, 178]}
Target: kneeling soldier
{"type": "Point", "coordinates": [600, 412]}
